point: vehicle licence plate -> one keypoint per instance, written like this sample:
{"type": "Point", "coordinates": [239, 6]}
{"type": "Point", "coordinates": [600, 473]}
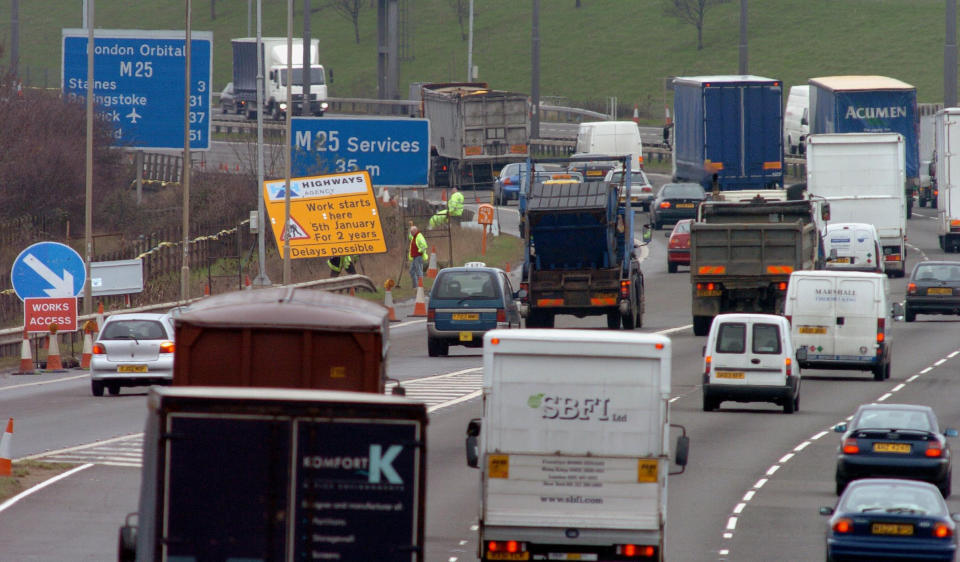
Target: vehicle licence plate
{"type": "Point", "coordinates": [939, 291]}
{"type": "Point", "coordinates": [812, 329]}
{"type": "Point", "coordinates": [891, 447]}
{"type": "Point", "coordinates": [729, 375]}
{"type": "Point", "coordinates": [466, 316]}
{"type": "Point", "coordinates": [839, 260]}
{"type": "Point", "coordinates": [684, 205]}
{"type": "Point", "coordinates": [508, 555]}
{"type": "Point", "coordinates": [466, 336]}
{"type": "Point", "coordinates": [899, 529]}
{"type": "Point", "coordinates": [131, 368]}
{"type": "Point", "coordinates": [571, 556]}
{"type": "Point", "coordinates": [705, 293]}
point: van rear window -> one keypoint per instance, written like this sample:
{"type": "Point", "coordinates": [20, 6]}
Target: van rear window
{"type": "Point", "coordinates": [766, 338]}
{"type": "Point", "coordinates": [732, 338]}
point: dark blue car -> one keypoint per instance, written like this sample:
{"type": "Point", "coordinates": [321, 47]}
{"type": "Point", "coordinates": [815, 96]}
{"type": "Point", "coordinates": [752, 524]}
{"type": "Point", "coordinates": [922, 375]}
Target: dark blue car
{"type": "Point", "coordinates": [465, 303]}
{"type": "Point", "coordinates": [890, 519]}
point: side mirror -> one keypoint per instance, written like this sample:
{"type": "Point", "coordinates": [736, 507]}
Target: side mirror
{"type": "Point", "coordinates": [473, 451]}
{"type": "Point", "coordinates": [896, 310]}
{"type": "Point", "coordinates": [683, 450]}
{"type": "Point", "coordinates": [804, 121]}
{"type": "Point", "coordinates": [521, 294]}
{"type": "Point", "coordinates": [950, 432]}
{"type": "Point", "coordinates": [801, 354]}
{"type": "Point", "coordinates": [647, 233]}
{"type": "Point", "coordinates": [825, 211]}
{"type": "Point", "coordinates": [840, 428]}
{"type": "Point", "coordinates": [824, 510]}
{"type": "Point", "coordinates": [127, 547]}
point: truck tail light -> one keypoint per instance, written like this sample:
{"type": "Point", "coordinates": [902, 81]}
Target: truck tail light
{"type": "Point", "coordinates": [167, 347]}
{"type": "Point", "coordinates": [431, 315]}
{"type": "Point", "coordinates": [636, 551]}
{"type": "Point", "coordinates": [99, 349]}
{"type": "Point", "coordinates": [625, 289]}
{"type": "Point", "coordinates": [850, 446]}
{"type": "Point", "coordinates": [881, 324]}
{"type": "Point", "coordinates": [512, 547]}
{"type": "Point", "coordinates": [911, 288]}
{"type": "Point", "coordinates": [782, 285]}
{"type": "Point", "coordinates": [501, 315]}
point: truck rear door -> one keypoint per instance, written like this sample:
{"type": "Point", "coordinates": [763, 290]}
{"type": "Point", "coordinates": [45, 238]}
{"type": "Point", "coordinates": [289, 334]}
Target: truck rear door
{"type": "Point", "coordinates": [856, 329]}
{"type": "Point", "coordinates": [813, 318]}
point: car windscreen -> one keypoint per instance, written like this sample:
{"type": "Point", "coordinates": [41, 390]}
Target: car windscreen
{"type": "Point", "coordinates": [133, 330]}
{"type": "Point", "coordinates": [466, 285]}
{"type": "Point", "coordinates": [682, 191]}
{"type": "Point", "coordinates": [936, 272]}
{"type": "Point", "coordinates": [732, 338]}
{"type": "Point", "coordinates": [890, 418]}
{"type": "Point", "coordinates": [636, 178]}
{"type": "Point", "coordinates": [883, 498]}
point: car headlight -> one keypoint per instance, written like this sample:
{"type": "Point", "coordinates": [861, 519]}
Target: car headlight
{"type": "Point", "coordinates": [323, 105]}
{"type": "Point", "coordinates": [283, 107]}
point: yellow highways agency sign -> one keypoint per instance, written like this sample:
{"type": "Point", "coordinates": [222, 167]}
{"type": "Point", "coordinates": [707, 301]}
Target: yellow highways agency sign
{"type": "Point", "coordinates": [332, 215]}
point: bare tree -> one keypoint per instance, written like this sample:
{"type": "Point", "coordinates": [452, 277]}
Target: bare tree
{"type": "Point", "coordinates": [349, 9]}
{"type": "Point", "coordinates": [692, 12]}
{"type": "Point", "coordinates": [462, 8]}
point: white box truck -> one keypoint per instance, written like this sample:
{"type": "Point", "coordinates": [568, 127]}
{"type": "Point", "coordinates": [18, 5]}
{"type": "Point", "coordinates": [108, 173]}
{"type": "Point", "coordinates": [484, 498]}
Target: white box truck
{"type": "Point", "coordinates": [948, 199]}
{"type": "Point", "coordinates": [862, 176]}
{"type": "Point", "coordinates": [275, 102]}
{"type": "Point", "coordinates": [573, 447]}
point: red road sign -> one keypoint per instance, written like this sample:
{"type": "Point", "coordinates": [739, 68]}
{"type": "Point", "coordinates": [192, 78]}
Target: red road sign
{"type": "Point", "coordinates": [40, 313]}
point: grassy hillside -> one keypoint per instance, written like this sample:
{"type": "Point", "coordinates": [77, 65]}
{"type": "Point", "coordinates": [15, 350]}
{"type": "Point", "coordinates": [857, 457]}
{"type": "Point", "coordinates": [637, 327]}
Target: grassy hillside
{"type": "Point", "coordinates": [605, 48]}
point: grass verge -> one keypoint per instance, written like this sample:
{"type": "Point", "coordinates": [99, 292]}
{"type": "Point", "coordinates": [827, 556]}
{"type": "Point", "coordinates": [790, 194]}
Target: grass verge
{"type": "Point", "coordinates": [27, 474]}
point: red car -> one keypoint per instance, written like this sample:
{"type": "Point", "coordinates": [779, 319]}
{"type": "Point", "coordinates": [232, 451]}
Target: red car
{"type": "Point", "coordinates": [678, 249]}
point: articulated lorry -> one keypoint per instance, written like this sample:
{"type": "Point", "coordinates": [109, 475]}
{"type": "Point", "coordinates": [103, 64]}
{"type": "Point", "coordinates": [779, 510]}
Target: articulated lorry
{"type": "Point", "coordinates": [580, 251]}
{"type": "Point", "coordinates": [742, 255]}
{"type": "Point", "coordinates": [727, 132]}
{"type": "Point", "coordinates": [948, 181]}
{"type": "Point", "coordinates": [279, 474]}
{"type": "Point", "coordinates": [474, 132]}
{"type": "Point", "coordinates": [574, 467]}
{"type": "Point", "coordinates": [862, 175]}
{"type": "Point", "coordinates": [870, 104]}
{"type": "Point", "coordinates": [274, 58]}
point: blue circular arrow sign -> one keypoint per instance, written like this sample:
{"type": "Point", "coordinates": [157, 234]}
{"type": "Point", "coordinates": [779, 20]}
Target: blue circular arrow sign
{"type": "Point", "coordinates": [48, 269]}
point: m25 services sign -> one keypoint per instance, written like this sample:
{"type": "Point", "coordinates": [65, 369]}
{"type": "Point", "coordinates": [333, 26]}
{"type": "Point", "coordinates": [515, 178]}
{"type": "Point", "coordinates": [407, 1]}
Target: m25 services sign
{"type": "Point", "coordinates": [395, 152]}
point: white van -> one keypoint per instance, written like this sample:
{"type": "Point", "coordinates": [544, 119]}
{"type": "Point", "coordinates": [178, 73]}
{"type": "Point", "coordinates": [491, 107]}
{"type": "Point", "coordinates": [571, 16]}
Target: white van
{"type": "Point", "coordinates": [613, 138]}
{"type": "Point", "coordinates": [842, 319]}
{"type": "Point", "coordinates": [751, 358]}
{"type": "Point", "coordinates": [852, 246]}
{"type": "Point", "coordinates": [796, 119]}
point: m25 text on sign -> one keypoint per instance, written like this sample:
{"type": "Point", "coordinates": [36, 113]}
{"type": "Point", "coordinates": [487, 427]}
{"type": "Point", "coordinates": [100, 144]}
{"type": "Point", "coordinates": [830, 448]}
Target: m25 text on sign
{"type": "Point", "coordinates": [329, 216]}
{"type": "Point", "coordinates": [39, 314]}
{"type": "Point", "coordinates": [139, 84]}
{"type": "Point", "coordinates": [393, 151]}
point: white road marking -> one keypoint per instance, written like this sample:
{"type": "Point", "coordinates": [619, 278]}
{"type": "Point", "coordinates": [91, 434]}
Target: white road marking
{"type": "Point", "coordinates": [801, 446]}
{"type": "Point", "coordinates": [42, 485]}
{"type": "Point", "coordinates": [818, 435]}
{"type": "Point", "coordinates": [748, 496]}
{"type": "Point", "coordinates": [884, 397]}
{"type": "Point", "coordinates": [898, 387]}
{"type": "Point", "coordinates": [773, 469]}
{"type": "Point", "coordinates": [732, 524]}
{"type": "Point", "coordinates": [739, 507]}
{"type": "Point", "coordinates": [759, 484]}
{"type": "Point", "coordinates": [672, 330]}
{"type": "Point", "coordinates": [913, 378]}
{"type": "Point", "coordinates": [38, 383]}
{"type": "Point", "coordinates": [939, 362]}
{"type": "Point", "coordinates": [785, 458]}
{"type": "Point", "coordinates": [925, 371]}
{"type": "Point", "coordinates": [953, 354]}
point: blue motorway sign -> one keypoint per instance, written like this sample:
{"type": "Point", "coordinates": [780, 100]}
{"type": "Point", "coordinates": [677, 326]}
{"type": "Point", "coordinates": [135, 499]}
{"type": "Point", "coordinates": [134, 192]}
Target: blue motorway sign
{"type": "Point", "coordinates": [139, 84]}
{"type": "Point", "coordinates": [48, 269]}
{"type": "Point", "coordinates": [394, 151]}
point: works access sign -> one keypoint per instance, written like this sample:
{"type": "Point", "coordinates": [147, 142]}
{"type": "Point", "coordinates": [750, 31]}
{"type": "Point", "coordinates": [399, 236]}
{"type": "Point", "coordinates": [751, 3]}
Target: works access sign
{"type": "Point", "coordinates": [43, 314]}
{"type": "Point", "coordinates": [334, 215]}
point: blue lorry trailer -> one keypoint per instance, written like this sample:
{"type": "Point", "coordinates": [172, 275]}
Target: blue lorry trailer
{"type": "Point", "coordinates": [728, 132]}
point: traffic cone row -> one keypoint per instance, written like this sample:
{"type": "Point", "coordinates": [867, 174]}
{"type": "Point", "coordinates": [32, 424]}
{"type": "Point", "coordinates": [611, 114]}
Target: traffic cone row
{"type": "Point", "coordinates": [432, 267]}
{"type": "Point", "coordinates": [388, 303]}
{"type": "Point", "coordinates": [26, 361]}
{"type": "Point", "coordinates": [6, 458]}
{"type": "Point", "coordinates": [420, 306]}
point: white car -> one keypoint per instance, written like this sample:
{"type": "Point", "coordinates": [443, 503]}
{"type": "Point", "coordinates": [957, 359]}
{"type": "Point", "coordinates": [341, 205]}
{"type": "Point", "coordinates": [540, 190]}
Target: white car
{"type": "Point", "coordinates": [641, 192]}
{"type": "Point", "coordinates": [132, 350]}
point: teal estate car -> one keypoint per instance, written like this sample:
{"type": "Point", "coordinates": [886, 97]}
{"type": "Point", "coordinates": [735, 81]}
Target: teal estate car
{"type": "Point", "coordinates": [466, 302]}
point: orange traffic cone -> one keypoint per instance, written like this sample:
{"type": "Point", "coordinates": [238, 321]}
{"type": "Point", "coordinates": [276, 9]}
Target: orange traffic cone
{"type": "Point", "coordinates": [420, 307]}
{"type": "Point", "coordinates": [246, 282]}
{"type": "Point", "coordinates": [6, 458]}
{"type": "Point", "coordinates": [99, 318]}
{"type": "Point", "coordinates": [206, 290]}
{"type": "Point", "coordinates": [432, 267]}
{"type": "Point", "coordinates": [507, 269]}
{"type": "Point", "coordinates": [53, 355]}
{"type": "Point", "coordinates": [87, 349]}
{"type": "Point", "coordinates": [388, 303]}
{"type": "Point", "coordinates": [443, 194]}
{"type": "Point", "coordinates": [26, 361]}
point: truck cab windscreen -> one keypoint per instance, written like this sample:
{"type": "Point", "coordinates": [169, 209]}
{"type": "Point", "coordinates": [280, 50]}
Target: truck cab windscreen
{"type": "Point", "coordinates": [316, 77]}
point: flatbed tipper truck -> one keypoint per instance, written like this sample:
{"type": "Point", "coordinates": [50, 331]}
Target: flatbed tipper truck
{"type": "Point", "coordinates": [279, 474]}
{"type": "Point", "coordinates": [580, 255]}
{"type": "Point", "coordinates": [474, 132]}
{"type": "Point", "coordinates": [742, 255]}
{"type": "Point", "coordinates": [574, 467]}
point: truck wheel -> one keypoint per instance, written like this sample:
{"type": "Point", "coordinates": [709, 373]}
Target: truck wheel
{"type": "Point", "coordinates": [96, 387]}
{"type": "Point", "coordinates": [548, 319]}
{"type": "Point", "coordinates": [909, 208]}
{"type": "Point", "coordinates": [923, 202]}
{"type": "Point", "coordinates": [613, 320]}
{"type": "Point", "coordinates": [701, 325]}
{"type": "Point", "coordinates": [630, 321]}
{"type": "Point", "coordinates": [933, 203]}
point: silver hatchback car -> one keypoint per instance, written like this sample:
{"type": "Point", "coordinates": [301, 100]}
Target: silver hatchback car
{"type": "Point", "coordinates": [132, 350]}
